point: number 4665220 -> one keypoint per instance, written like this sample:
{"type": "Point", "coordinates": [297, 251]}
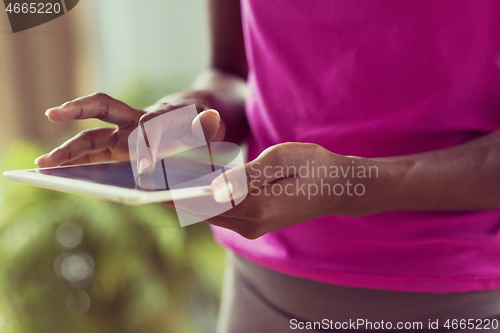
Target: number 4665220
{"type": "Point", "coordinates": [33, 8]}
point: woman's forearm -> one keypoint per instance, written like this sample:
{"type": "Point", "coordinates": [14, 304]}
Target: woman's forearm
{"type": "Point", "coordinates": [465, 177]}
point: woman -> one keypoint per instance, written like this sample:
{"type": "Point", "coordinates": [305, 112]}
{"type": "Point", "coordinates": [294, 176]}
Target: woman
{"type": "Point", "coordinates": [408, 91]}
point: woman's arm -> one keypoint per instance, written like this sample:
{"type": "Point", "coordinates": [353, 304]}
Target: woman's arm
{"type": "Point", "coordinates": [225, 79]}
{"type": "Point", "coordinates": [461, 178]}
{"type": "Point", "coordinates": [227, 48]}
{"type": "Point", "coordinates": [222, 86]}
{"type": "Point", "coordinates": [293, 182]}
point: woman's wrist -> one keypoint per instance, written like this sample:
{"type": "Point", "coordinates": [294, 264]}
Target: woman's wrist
{"type": "Point", "coordinates": [365, 186]}
{"type": "Point", "coordinates": [389, 191]}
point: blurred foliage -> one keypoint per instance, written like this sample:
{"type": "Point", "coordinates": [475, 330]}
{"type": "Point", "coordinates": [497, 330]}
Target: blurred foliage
{"type": "Point", "coordinates": [119, 269]}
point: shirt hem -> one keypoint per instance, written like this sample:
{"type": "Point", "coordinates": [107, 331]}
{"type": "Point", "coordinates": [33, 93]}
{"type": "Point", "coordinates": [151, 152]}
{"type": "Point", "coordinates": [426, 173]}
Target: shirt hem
{"type": "Point", "coordinates": [434, 285]}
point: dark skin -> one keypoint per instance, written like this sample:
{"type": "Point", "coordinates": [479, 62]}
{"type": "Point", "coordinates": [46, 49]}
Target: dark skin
{"type": "Point", "coordinates": [461, 178]}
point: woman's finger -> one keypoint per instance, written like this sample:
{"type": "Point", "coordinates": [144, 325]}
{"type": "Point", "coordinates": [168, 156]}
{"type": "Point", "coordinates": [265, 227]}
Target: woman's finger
{"type": "Point", "coordinates": [99, 106]}
{"type": "Point", "coordinates": [106, 155]}
{"type": "Point", "coordinates": [210, 123]}
{"type": "Point", "coordinates": [84, 143]}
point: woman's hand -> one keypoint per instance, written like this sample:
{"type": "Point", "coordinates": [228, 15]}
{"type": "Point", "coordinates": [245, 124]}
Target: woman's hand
{"type": "Point", "coordinates": [310, 182]}
{"type": "Point", "coordinates": [111, 143]}
{"type": "Point", "coordinates": [292, 183]}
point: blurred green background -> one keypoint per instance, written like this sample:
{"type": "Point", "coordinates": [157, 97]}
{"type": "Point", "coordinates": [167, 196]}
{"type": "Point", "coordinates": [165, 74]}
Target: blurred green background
{"type": "Point", "coordinates": [76, 264]}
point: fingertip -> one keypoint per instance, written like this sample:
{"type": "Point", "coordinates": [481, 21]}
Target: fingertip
{"type": "Point", "coordinates": [40, 161]}
{"type": "Point", "coordinates": [210, 121]}
{"type": "Point", "coordinates": [50, 110]}
{"type": "Point", "coordinates": [51, 114]}
{"type": "Point", "coordinates": [208, 113]}
{"type": "Point", "coordinates": [64, 112]}
{"type": "Point", "coordinates": [212, 111]}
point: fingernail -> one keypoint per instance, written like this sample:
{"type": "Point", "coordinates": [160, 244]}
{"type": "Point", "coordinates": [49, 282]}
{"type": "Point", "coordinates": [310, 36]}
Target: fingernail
{"type": "Point", "coordinates": [39, 158]}
{"type": "Point", "coordinates": [222, 191]}
{"type": "Point", "coordinates": [144, 165]}
{"type": "Point", "coordinates": [49, 110]}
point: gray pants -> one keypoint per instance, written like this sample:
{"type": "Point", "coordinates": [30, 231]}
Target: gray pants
{"type": "Point", "coordinates": [256, 299]}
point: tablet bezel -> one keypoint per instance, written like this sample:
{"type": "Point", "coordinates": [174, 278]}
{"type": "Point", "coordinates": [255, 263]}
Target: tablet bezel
{"type": "Point", "coordinates": [102, 191]}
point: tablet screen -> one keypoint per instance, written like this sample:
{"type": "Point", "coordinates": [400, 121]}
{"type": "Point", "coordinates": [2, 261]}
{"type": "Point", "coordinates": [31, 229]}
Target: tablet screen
{"type": "Point", "coordinates": [116, 174]}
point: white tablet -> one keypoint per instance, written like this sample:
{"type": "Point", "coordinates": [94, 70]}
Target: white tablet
{"type": "Point", "coordinates": [111, 181]}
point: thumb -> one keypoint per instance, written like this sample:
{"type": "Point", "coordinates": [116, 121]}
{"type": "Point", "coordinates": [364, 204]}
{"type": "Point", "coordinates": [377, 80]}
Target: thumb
{"type": "Point", "coordinates": [161, 132]}
{"type": "Point", "coordinates": [209, 121]}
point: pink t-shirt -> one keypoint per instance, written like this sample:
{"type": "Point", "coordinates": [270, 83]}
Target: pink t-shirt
{"type": "Point", "coordinates": [373, 79]}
